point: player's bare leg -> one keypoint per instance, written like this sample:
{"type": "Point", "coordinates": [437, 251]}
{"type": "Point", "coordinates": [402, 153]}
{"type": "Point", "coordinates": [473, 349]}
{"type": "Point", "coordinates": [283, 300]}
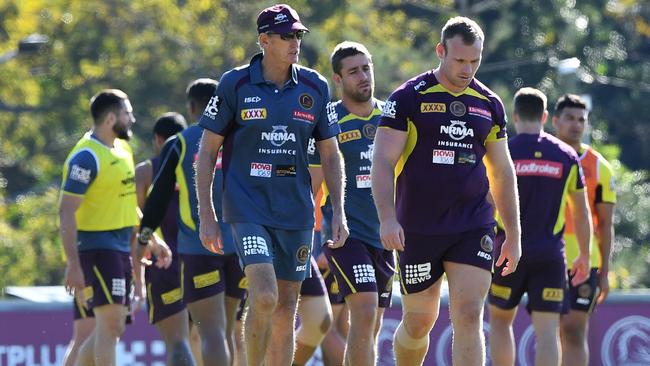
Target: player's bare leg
{"type": "Point", "coordinates": [502, 339]}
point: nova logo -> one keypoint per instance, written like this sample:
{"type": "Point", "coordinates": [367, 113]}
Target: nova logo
{"type": "Point", "coordinates": [540, 168]}
{"type": "Point", "coordinates": [349, 136]}
{"type": "Point", "coordinates": [261, 170]}
{"type": "Point", "coordinates": [443, 156]}
{"type": "Point", "coordinates": [364, 181]}
{"type": "Point", "coordinates": [433, 108]}
{"type": "Point", "coordinates": [457, 130]}
{"type": "Point", "coordinates": [279, 136]}
{"type": "Point", "coordinates": [255, 113]}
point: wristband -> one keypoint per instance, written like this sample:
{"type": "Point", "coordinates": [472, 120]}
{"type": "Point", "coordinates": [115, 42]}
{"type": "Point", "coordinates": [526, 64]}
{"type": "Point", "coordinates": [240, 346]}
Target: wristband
{"type": "Point", "coordinates": [144, 236]}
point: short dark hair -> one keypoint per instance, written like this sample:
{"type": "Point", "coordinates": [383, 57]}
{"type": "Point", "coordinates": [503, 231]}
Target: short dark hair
{"type": "Point", "coordinates": [169, 124]}
{"type": "Point", "coordinates": [107, 100]}
{"type": "Point", "coordinates": [200, 91]}
{"type": "Point", "coordinates": [463, 26]}
{"type": "Point", "coordinates": [347, 49]}
{"type": "Point", "coordinates": [530, 104]}
{"type": "Point", "coordinates": [569, 101]}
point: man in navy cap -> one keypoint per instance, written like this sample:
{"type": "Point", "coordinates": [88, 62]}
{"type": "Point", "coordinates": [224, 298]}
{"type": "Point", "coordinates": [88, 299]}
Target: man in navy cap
{"type": "Point", "coordinates": [263, 115]}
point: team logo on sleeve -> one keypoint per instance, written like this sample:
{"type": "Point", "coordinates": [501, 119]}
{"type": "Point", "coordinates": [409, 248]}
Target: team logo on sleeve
{"type": "Point", "coordinates": [389, 109]}
{"type": "Point", "coordinates": [311, 147]}
{"type": "Point", "coordinates": [457, 108]}
{"type": "Point", "coordinates": [306, 101]}
{"type": "Point", "coordinates": [253, 113]}
{"type": "Point", "coordinates": [80, 174]}
{"type": "Point", "coordinates": [213, 107]}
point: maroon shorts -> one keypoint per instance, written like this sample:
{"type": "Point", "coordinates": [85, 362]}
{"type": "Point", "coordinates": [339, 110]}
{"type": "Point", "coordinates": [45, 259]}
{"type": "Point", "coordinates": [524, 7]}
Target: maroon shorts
{"type": "Point", "coordinates": [201, 276]}
{"type": "Point", "coordinates": [313, 285]}
{"type": "Point", "coordinates": [362, 268]}
{"type": "Point", "coordinates": [583, 296]}
{"type": "Point", "coordinates": [236, 284]}
{"type": "Point", "coordinates": [164, 294]}
{"type": "Point", "coordinates": [332, 287]}
{"type": "Point", "coordinates": [421, 262]}
{"type": "Point", "coordinates": [543, 278]}
{"type": "Point", "coordinates": [108, 277]}
{"type": "Point", "coordinates": [81, 310]}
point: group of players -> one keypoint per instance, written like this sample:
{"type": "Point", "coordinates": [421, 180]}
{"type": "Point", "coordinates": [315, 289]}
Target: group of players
{"type": "Point", "coordinates": [410, 185]}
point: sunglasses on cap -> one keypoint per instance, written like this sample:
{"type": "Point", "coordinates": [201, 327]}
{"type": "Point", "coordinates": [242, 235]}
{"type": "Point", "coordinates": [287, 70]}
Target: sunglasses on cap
{"type": "Point", "coordinates": [289, 36]}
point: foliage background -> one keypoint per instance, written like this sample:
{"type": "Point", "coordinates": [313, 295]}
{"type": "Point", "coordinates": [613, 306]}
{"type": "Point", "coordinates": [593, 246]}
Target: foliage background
{"type": "Point", "coordinates": [152, 48]}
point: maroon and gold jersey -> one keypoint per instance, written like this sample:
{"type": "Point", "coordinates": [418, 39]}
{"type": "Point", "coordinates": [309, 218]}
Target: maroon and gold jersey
{"type": "Point", "coordinates": [441, 181]}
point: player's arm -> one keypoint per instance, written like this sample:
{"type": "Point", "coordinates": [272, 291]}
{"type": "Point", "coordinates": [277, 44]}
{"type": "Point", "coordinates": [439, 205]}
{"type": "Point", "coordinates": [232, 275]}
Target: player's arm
{"type": "Point", "coordinates": [605, 236]}
{"type": "Point", "coordinates": [334, 176]}
{"type": "Point", "coordinates": [143, 177]}
{"type": "Point", "coordinates": [156, 203]}
{"type": "Point", "coordinates": [209, 231]}
{"type": "Point", "coordinates": [317, 177]}
{"type": "Point", "coordinates": [74, 278]}
{"type": "Point", "coordinates": [503, 187]}
{"type": "Point", "coordinates": [389, 145]}
{"type": "Point", "coordinates": [577, 202]}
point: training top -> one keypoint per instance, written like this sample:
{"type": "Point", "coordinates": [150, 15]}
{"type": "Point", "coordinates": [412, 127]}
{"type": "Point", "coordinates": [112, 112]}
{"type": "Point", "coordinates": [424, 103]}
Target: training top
{"type": "Point", "coordinates": [104, 177]}
{"type": "Point", "coordinates": [356, 142]}
{"type": "Point", "coordinates": [179, 155]}
{"type": "Point", "coordinates": [266, 131]}
{"type": "Point", "coordinates": [600, 183]}
{"type": "Point", "coordinates": [441, 182]}
{"type": "Point", "coordinates": [548, 170]}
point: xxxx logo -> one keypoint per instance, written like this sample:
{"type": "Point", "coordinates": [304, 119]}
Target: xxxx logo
{"type": "Point", "coordinates": [255, 113]}
{"type": "Point", "coordinates": [433, 108]}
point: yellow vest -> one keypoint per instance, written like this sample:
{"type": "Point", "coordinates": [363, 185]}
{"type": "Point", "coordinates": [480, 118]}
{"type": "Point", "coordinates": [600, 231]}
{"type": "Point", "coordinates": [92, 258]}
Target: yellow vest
{"type": "Point", "coordinates": [110, 202]}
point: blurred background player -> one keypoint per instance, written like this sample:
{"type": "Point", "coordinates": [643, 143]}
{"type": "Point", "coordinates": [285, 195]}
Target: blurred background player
{"type": "Point", "coordinates": [570, 121]}
{"type": "Point", "coordinates": [98, 210]}
{"type": "Point", "coordinates": [207, 277]}
{"type": "Point", "coordinates": [548, 177]}
{"type": "Point", "coordinates": [166, 309]}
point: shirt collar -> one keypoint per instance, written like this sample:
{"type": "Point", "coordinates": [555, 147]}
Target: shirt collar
{"type": "Point", "coordinates": [257, 77]}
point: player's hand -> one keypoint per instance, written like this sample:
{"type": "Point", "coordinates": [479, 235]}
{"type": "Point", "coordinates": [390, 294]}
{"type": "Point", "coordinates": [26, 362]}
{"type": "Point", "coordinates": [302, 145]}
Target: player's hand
{"type": "Point", "coordinates": [143, 255]}
{"type": "Point", "coordinates": [510, 255]}
{"type": "Point", "coordinates": [339, 231]}
{"type": "Point", "coordinates": [392, 235]}
{"type": "Point", "coordinates": [603, 284]}
{"type": "Point", "coordinates": [579, 270]}
{"type": "Point", "coordinates": [161, 251]}
{"type": "Point", "coordinates": [322, 262]}
{"type": "Point", "coordinates": [139, 296]}
{"type": "Point", "coordinates": [74, 281]}
{"type": "Point", "coordinates": [210, 235]}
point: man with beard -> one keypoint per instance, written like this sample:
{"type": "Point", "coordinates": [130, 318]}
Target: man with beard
{"type": "Point", "coordinates": [263, 115]}
{"type": "Point", "coordinates": [362, 267]}
{"type": "Point", "coordinates": [97, 213]}
{"type": "Point", "coordinates": [435, 131]}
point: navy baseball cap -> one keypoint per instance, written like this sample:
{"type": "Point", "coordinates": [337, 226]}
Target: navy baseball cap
{"type": "Point", "coordinates": [279, 18]}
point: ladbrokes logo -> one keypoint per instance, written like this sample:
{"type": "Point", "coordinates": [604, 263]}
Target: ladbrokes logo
{"type": "Point", "coordinates": [457, 130]}
{"type": "Point", "coordinates": [254, 113]}
{"type": "Point", "coordinates": [541, 168]}
{"type": "Point", "coordinates": [279, 136]}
